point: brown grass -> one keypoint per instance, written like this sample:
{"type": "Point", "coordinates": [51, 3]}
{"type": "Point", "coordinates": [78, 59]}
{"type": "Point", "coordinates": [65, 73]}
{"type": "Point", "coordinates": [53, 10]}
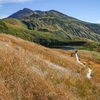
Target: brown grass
{"type": "Point", "coordinates": [32, 72]}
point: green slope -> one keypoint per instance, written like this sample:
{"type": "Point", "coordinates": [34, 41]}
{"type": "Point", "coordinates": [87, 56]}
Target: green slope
{"type": "Point", "coordinates": [15, 22]}
{"type": "Point", "coordinates": [40, 37]}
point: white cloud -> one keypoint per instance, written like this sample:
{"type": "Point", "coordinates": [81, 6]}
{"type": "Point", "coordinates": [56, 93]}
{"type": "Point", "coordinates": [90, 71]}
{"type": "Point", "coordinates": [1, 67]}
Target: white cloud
{"type": "Point", "coordinates": [13, 1]}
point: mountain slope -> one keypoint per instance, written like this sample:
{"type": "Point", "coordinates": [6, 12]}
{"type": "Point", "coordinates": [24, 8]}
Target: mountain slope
{"type": "Point", "coordinates": [17, 28]}
{"type": "Point", "coordinates": [32, 72]}
{"type": "Point", "coordinates": [58, 23]}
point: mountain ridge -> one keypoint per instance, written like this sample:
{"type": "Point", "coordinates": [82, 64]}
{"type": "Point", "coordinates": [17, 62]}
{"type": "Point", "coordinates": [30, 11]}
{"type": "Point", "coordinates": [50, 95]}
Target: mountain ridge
{"type": "Point", "coordinates": [24, 12]}
{"type": "Point", "coordinates": [59, 23]}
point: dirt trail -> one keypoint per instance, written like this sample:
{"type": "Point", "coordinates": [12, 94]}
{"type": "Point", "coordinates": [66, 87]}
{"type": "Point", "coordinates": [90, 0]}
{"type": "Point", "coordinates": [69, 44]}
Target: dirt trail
{"type": "Point", "coordinates": [88, 75]}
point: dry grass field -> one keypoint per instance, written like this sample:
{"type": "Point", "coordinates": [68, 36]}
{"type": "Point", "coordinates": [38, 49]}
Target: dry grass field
{"type": "Point", "coordinates": [29, 71]}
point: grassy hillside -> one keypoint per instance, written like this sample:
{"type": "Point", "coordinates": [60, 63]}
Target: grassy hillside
{"type": "Point", "coordinates": [17, 28]}
{"type": "Point", "coordinates": [15, 23]}
{"type": "Point", "coordinates": [32, 72]}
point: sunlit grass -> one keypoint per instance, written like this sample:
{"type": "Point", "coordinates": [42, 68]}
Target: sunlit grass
{"type": "Point", "coordinates": [32, 72]}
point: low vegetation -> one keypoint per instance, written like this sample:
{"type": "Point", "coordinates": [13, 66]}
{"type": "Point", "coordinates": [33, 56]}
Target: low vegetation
{"type": "Point", "coordinates": [32, 72]}
{"type": "Point", "coordinates": [91, 46]}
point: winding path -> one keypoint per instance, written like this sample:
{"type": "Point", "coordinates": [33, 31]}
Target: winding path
{"type": "Point", "coordinates": [88, 75]}
{"type": "Point", "coordinates": [77, 58]}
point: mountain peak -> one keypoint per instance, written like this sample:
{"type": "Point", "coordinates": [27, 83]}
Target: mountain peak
{"type": "Point", "coordinates": [25, 12]}
{"type": "Point", "coordinates": [19, 14]}
{"type": "Point", "coordinates": [27, 9]}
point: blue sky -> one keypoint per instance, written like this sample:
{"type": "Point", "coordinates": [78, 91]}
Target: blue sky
{"type": "Point", "coordinates": [86, 10]}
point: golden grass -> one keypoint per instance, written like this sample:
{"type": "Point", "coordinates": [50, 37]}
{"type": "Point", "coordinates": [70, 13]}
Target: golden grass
{"type": "Point", "coordinates": [32, 72]}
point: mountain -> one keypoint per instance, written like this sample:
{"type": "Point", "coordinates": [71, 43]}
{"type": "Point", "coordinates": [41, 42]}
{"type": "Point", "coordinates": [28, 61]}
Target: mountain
{"type": "Point", "coordinates": [29, 71]}
{"type": "Point", "coordinates": [22, 13]}
{"type": "Point", "coordinates": [50, 28]}
{"type": "Point", "coordinates": [58, 23]}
